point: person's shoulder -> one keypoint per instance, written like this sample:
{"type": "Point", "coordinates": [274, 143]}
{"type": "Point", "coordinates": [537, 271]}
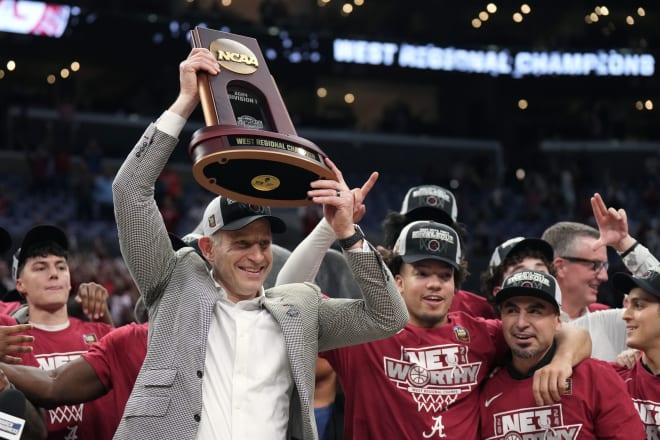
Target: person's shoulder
{"type": "Point", "coordinates": [460, 317]}
{"type": "Point", "coordinates": [100, 327]}
{"type": "Point", "coordinates": [594, 307]}
{"type": "Point", "coordinates": [7, 320]}
{"type": "Point", "coordinates": [467, 295]}
{"type": "Point", "coordinates": [291, 289]}
{"type": "Point", "coordinates": [472, 304]}
{"type": "Point", "coordinates": [594, 368]}
{"type": "Point", "coordinates": [130, 330]}
{"type": "Point", "coordinates": [606, 316]}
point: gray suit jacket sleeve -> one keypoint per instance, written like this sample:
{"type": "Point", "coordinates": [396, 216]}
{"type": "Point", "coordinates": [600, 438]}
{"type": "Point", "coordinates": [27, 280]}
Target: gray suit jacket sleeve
{"type": "Point", "coordinates": [143, 238]}
{"type": "Point", "coordinates": [379, 314]}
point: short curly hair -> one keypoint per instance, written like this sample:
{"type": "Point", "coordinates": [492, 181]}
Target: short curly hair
{"type": "Point", "coordinates": [494, 276]}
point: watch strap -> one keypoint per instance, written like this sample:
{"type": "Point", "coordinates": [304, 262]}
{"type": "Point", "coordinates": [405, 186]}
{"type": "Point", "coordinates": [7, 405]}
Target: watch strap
{"type": "Point", "coordinates": [348, 242]}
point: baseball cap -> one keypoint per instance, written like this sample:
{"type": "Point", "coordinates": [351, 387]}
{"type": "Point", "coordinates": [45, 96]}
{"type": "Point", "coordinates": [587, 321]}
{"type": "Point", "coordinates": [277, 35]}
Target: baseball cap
{"type": "Point", "coordinates": [530, 283]}
{"type": "Point", "coordinates": [5, 240]}
{"type": "Point", "coordinates": [224, 214]}
{"type": "Point", "coordinates": [430, 202]}
{"type": "Point", "coordinates": [423, 240]}
{"type": "Point", "coordinates": [39, 234]}
{"type": "Point", "coordinates": [649, 282]}
{"type": "Point", "coordinates": [516, 244]}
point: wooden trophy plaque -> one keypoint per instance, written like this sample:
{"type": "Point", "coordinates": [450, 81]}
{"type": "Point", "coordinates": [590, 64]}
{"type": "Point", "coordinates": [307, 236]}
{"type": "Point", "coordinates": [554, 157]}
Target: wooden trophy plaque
{"type": "Point", "coordinates": [249, 150]}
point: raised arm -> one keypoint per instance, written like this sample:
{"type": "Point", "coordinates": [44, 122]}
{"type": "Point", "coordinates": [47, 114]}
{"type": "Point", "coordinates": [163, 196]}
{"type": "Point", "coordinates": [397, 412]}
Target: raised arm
{"type": "Point", "coordinates": [143, 237]}
{"type": "Point", "coordinates": [573, 346]}
{"type": "Point", "coordinates": [613, 227]}
{"type": "Point", "coordinates": [304, 262]}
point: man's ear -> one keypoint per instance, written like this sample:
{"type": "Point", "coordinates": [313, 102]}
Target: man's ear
{"type": "Point", "coordinates": [206, 246]}
{"type": "Point", "coordinates": [399, 282]}
{"type": "Point", "coordinates": [20, 288]}
{"type": "Point", "coordinates": [559, 324]}
{"type": "Point", "coordinates": [496, 290]}
{"type": "Point", "coordinates": [559, 264]}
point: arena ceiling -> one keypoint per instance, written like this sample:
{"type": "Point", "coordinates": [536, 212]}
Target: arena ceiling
{"type": "Point", "coordinates": [129, 52]}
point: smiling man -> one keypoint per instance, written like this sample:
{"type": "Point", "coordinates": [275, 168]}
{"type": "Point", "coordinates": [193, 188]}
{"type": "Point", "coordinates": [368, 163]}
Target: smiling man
{"type": "Point", "coordinates": [529, 305]}
{"type": "Point", "coordinates": [41, 270]}
{"type": "Point", "coordinates": [642, 318]}
{"type": "Point", "coordinates": [225, 357]}
{"type": "Point", "coordinates": [580, 268]}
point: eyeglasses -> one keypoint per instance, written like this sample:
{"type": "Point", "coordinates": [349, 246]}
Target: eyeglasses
{"type": "Point", "coordinates": [596, 265]}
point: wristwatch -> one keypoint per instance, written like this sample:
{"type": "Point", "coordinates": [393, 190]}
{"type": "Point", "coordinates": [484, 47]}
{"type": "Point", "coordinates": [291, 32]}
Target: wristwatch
{"type": "Point", "coordinates": [348, 242]}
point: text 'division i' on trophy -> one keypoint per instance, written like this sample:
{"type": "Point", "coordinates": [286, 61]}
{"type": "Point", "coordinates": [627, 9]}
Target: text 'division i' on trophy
{"type": "Point", "coordinates": [249, 150]}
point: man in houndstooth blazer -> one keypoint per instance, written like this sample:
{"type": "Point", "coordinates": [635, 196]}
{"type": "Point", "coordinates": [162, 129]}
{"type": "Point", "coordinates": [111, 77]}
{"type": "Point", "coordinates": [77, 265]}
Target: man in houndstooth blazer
{"type": "Point", "coordinates": [191, 383]}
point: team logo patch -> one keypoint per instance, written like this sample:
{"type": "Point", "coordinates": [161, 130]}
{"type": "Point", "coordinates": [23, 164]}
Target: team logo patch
{"type": "Point", "coordinates": [212, 221]}
{"type": "Point", "coordinates": [90, 339]}
{"type": "Point", "coordinates": [462, 334]}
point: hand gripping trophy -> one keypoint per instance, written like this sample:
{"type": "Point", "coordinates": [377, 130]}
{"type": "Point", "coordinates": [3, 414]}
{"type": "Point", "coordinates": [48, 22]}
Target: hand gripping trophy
{"type": "Point", "coordinates": [249, 150]}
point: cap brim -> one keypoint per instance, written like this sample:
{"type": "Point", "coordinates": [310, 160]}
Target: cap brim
{"type": "Point", "coordinates": [428, 213]}
{"type": "Point", "coordinates": [536, 244]}
{"type": "Point", "coordinates": [511, 292]}
{"type": "Point", "coordinates": [624, 283]}
{"type": "Point", "coordinates": [277, 226]}
{"type": "Point", "coordinates": [410, 259]}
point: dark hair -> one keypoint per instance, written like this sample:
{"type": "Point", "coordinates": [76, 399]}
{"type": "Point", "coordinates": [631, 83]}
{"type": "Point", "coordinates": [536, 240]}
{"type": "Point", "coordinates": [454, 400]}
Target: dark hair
{"type": "Point", "coordinates": [394, 263]}
{"type": "Point", "coordinates": [491, 278]}
{"type": "Point", "coordinates": [40, 250]}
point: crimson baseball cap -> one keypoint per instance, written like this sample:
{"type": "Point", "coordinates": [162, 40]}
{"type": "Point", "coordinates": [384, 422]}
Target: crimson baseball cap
{"type": "Point", "coordinates": [422, 240]}
{"type": "Point", "coordinates": [5, 240]}
{"type": "Point", "coordinates": [649, 282]}
{"type": "Point", "coordinates": [530, 283]}
{"type": "Point", "coordinates": [516, 244]}
{"type": "Point", "coordinates": [430, 202]}
{"type": "Point", "coordinates": [224, 214]}
{"type": "Point", "coordinates": [40, 234]}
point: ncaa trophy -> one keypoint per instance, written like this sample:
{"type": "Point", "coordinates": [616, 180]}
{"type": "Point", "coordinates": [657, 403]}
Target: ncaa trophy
{"type": "Point", "coordinates": [249, 150]}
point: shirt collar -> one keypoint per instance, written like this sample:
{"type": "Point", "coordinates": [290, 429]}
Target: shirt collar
{"type": "Point", "coordinates": [515, 374]}
{"type": "Point", "coordinates": [222, 293]}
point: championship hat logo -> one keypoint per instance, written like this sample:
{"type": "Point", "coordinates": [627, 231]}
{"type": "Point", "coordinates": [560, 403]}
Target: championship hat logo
{"type": "Point", "coordinates": [90, 339]}
{"type": "Point", "coordinates": [462, 334]}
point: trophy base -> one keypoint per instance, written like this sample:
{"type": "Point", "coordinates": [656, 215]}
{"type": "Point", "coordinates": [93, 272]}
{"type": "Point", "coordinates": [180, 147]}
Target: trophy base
{"type": "Point", "coordinates": [259, 167]}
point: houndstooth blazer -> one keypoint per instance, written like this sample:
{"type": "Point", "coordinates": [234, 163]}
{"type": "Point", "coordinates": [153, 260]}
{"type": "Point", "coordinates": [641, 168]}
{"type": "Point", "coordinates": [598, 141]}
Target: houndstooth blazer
{"type": "Point", "coordinates": [166, 401]}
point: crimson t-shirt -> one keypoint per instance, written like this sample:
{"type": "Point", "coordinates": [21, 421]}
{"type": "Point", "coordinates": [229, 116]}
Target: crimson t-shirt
{"type": "Point", "coordinates": [472, 304]}
{"type": "Point", "coordinates": [50, 350]}
{"type": "Point", "coordinates": [596, 406]}
{"type": "Point", "coordinates": [117, 360]}
{"type": "Point", "coordinates": [420, 383]}
{"type": "Point", "coordinates": [644, 388]}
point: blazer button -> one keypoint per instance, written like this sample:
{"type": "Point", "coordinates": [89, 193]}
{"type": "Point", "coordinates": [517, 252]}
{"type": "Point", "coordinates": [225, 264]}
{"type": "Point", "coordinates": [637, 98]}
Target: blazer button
{"type": "Point", "coordinates": [199, 374]}
{"type": "Point", "coordinates": [292, 312]}
{"type": "Point", "coordinates": [197, 418]}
